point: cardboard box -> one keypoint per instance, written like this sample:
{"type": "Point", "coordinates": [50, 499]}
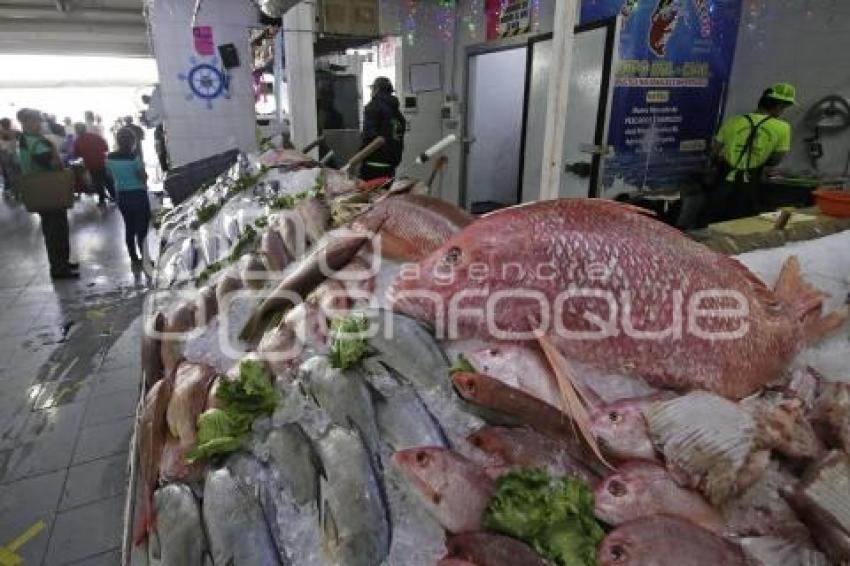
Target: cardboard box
{"type": "Point", "coordinates": [358, 18]}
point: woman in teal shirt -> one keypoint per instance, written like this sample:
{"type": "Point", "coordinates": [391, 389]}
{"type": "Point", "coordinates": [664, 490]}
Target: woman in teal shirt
{"type": "Point", "coordinates": [128, 173]}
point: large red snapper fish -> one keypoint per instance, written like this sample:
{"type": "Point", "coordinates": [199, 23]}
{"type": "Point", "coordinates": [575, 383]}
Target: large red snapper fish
{"type": "Point", "coordinates": [626, 284]}
{"type": "Point", "coordinates": [412, 226]}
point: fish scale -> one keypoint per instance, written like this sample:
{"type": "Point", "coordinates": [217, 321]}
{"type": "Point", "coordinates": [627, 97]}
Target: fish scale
{"type": "Point", "coordinates": [412, 226]}
{"type": "Point", "coordinates": [608, 247]}
{"type": "Point", "coordinates": [640, 489]}
{"type": "Point", "coordinates": [354, 519]}
{"type": "Point", "coordinates": [235, 523]}
{"type": "Point", "coordinates": [661, 540]}
{"type": "Point", "coordinates": [179, 531]}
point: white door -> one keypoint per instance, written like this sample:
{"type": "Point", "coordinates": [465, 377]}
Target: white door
{"type": "Point", "coordinates": [587, 112]}
{"type": "Point", "coordinates": [496, 93]}
{"type": "Point", "coordinates": [583, 112]}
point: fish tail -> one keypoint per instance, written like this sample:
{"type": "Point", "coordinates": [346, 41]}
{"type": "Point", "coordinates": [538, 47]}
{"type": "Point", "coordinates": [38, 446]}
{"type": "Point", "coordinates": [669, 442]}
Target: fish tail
{"type": "Point", "coordinates": [145, 519]}
{"type": "Point", "coordinates": [821, 326]}
{"type": "Point", "coordinates": [806, 302]}
{"type": "Point", "coordinates": [372, 220]}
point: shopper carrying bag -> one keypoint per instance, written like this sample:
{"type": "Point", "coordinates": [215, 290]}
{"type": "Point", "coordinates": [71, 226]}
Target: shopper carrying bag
{"type": "Point", "coordinates": [46, 188]}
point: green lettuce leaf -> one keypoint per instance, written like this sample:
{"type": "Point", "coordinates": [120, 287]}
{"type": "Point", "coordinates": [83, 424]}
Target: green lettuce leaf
{"type": "Point", "coordinates": [553, 515]}
{"type": "Point", "coordinates": [217, 435]}
{"type": "Point", "coordinates": [223, 431]}
{"type": "Point", "coordinates": [215, 447]}
{"type": "Point", "coordinates": [288, 201]}
{"type": "Point", "coordinates": [348, 341]}
{"type": "Point", "coordinates": [462, 365]}
{"type": "Point", "coordinates": [245, 242]}
{"type": "Point", "coordinates": [251, 395]}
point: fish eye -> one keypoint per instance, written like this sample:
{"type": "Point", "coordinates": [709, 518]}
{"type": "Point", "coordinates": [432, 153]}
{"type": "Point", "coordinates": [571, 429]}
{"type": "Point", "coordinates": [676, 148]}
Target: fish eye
{"type": "Point", "coordinates": [615, 417]}
{"type": "Point", "coordinates": [436, 498]}
{"type": "Point", "coordinates": [617, 488]}
{"type": "Point", "coordinates": [476, 441]}
{"type": "Point", "coordinates": [453, 256]}
{"type": "Point", "coordinates": [421, 458]}
{"type": "Point", "coordinates": [618, 553]}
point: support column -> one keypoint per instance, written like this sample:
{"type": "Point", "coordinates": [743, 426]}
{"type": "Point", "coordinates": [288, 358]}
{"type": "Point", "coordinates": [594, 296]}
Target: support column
{"type": "Point", "coordinates": [277, 71]}
{"type": "Point", "coordinates": [298, 36]}
{"type": "Point", "coordinates": [559, 88]}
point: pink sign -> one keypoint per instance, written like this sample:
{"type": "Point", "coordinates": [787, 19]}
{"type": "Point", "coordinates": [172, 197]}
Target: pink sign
{"type": "Point", "coordinates": [203, 40]}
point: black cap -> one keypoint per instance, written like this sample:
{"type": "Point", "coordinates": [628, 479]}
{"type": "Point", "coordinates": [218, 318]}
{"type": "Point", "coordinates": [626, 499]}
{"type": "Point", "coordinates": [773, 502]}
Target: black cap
{"type": "Point", "coordinates": [383, 84]}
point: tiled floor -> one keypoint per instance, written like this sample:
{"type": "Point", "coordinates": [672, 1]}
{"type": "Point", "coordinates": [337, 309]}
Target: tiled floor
{"type": "Point", "coordinates": [69, 384]}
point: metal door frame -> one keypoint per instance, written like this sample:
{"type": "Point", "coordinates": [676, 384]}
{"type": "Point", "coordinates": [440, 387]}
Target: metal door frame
{"type": "Point", "coordinates": [605, 96]}
{"type": "Point", "coordinates": [600, 137]}
{"type": "Point", "coordinates": [470, 52]}
{"type": "Point", "coordinates": [529, 64]}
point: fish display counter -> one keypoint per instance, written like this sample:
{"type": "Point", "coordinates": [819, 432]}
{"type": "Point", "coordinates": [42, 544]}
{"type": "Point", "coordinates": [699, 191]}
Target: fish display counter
{"type": "Point", "coordinates": [341, 372]}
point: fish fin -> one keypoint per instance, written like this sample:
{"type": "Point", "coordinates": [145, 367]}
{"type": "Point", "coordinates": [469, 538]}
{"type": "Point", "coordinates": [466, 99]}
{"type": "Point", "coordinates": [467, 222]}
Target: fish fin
{"type": "Point", "coordinates": [371, 220]}
{"type": "Point", "coordinates": [373, 451]}
{"type": "Point", "coordinates": [154, 545]}
{"type": "Point", "coordinates": [574, 405]}
{"type": "Point", "coordinates": [375, 395]}
{"type": "Point", "coordinates": [625, 207]}
{"type": "Point", "coordinates": [329, 526]}
{"type": "Point", "coordinates": [588, 396]}
{"type": "Point", "coordinates": [762, 291]}
{"type": "Point", "coordinates": [146, 522]}
{"type": "Point", "coordinates": [254, 328]}
{"type": "Point", "coordinates": [824, 325]}
{"type": "Point", "coordinates": [318, 465]}
{"type": "Point", "coordinates": [806, 302]}
{"type": "Point", "coordinates": [308, 392]}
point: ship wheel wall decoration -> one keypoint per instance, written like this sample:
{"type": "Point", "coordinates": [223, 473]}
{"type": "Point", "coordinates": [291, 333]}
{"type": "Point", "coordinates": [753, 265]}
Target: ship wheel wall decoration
{"type": "Point", "coordinates": [206, 81]}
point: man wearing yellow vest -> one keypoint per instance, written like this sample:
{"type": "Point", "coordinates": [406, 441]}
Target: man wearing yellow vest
{"type": "Point", "coordinates": [744, 146]}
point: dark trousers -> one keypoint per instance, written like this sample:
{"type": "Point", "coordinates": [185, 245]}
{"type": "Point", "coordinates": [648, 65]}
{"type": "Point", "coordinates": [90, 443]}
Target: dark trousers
{"type": "Point", "coordinates": [732, 199]}
{"type": "Point", "coordinates": [54, 226]}
{"type": "Point", "coordinates": [9, 170]}
{"type": "Point", "coordinates": [136, 210]}
{"type": "Point", "coordinates": [102, 183]}
{"type": "Point", "coordinates": [369, 172]}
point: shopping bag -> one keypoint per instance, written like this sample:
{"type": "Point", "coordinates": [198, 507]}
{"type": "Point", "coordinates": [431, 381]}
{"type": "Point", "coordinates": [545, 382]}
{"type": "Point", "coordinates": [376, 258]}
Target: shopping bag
{"type": "Point", "coordinates": [48, 191]}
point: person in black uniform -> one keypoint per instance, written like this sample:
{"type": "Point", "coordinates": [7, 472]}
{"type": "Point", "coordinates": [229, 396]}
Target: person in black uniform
{"type": "Point", "coordinates": [383, 118]}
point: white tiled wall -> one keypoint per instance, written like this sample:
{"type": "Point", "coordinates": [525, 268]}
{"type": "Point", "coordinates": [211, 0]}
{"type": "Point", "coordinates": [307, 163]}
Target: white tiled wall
{"type": "Point", "coordinates": [803, 42]}
{"type": "Point", "coordinates": [424, 42]}
{"type": "Point", "coordinates": [194, 131]}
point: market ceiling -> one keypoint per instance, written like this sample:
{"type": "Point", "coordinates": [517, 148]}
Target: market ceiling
{"type": "Point", "coordinates": [74, 27]}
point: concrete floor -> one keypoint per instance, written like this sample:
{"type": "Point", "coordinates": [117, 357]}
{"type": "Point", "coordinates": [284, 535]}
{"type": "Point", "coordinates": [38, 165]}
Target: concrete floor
{"type": "Point", "coordinates": [69, 385]}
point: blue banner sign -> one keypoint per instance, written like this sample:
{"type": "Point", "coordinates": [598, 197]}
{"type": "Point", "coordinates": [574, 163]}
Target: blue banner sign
{"type": "Point", "coordinates": [675, 57]}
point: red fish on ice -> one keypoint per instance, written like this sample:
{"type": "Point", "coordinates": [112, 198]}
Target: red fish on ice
{"type": "Point", "coordinates": [618, 290]}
